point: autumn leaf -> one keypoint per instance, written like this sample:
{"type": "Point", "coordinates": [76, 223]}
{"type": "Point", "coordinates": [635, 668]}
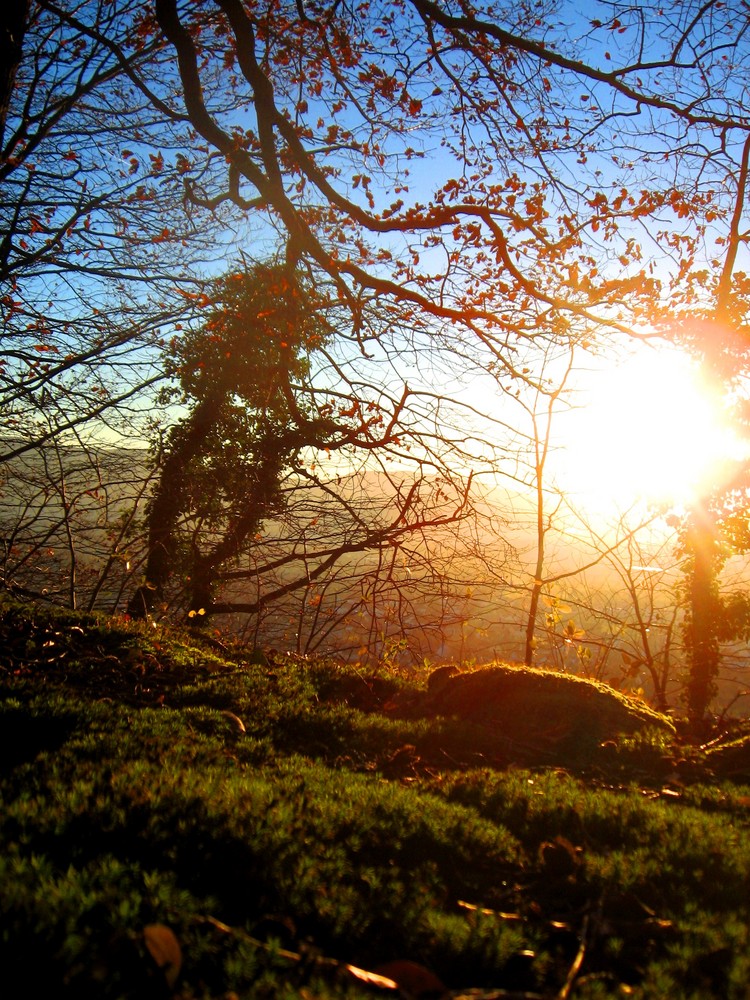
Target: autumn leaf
{"type": "Point", "coordinates": [412, 979]}
{"type": "Point", "coordinates": [165, 950]}
{"type": "Point", "coordinates": [235, 719]}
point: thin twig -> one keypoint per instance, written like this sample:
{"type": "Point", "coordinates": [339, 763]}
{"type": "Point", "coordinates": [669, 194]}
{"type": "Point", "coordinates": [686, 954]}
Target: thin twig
{"type": "Point", "coordinates": [577, 963]}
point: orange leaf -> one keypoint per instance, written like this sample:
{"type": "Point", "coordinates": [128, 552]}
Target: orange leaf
{"type": "Point", "coordinates": [165, 950]}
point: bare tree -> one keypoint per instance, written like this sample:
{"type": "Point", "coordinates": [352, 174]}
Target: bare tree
{"type": "Point", "coordinates": [472, 186]}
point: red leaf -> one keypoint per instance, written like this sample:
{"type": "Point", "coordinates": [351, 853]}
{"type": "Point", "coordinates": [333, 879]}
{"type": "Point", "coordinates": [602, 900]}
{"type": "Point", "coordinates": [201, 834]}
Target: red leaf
{"type": "Point", "coordinates": [413, 979]}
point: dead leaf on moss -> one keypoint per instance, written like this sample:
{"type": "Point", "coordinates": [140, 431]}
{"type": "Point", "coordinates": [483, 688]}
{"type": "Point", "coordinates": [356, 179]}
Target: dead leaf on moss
{"type": "Point", "coordinates": [165, 950]}
{"type": "Point", "coordinates": [235, 719]}
{"type": "Point", "coordinates": [413, 979]}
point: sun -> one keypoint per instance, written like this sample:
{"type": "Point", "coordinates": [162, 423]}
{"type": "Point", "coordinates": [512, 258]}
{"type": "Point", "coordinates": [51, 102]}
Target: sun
{"type": "Point", "coordinates": [648, 429]}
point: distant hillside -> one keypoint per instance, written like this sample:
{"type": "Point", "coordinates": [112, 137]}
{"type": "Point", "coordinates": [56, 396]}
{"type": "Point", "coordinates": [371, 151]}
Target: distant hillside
{"type": "Point", "coordinates": [72, 527]}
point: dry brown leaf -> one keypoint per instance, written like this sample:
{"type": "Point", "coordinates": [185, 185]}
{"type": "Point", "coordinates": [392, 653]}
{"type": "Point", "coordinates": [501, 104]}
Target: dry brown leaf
{"type": "Point", "coordinates": [165, 950]}
{"type": "Point", "coordinates": [413, 979]}
{"type": "Point", "coordinates": [235, 719]}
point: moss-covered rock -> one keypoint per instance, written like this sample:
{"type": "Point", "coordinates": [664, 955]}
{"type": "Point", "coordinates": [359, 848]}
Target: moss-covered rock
{"type": "Point", "coordinates": [731, 759]}
{"type": "Point", "coordinates": [542, 707]}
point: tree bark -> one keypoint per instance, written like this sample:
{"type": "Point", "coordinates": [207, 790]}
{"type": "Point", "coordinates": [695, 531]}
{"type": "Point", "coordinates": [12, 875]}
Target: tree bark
{"type": "Point", "coordinates": [167, 506]}
{"type": "Point", "coordinates": [13, 23]}
{"type": "Point", "coordinates": [704, 614]}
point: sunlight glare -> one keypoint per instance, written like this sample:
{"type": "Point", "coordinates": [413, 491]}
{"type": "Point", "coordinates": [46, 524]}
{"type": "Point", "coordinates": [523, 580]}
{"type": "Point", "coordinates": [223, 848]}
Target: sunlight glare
{"type": "Point", "coordinates": [648, 429]}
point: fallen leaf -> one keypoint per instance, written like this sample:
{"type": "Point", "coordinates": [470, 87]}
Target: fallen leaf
{"type": "Point", "coordinates": [165, 950]}
{"type": "Point", "coordinates": [413, 979]}
{"type": "Point", "coordinates": [235, 719]}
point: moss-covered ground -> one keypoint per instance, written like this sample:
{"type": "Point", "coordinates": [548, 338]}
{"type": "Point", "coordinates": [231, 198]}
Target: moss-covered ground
{"type": "Point", "coordinates": [180, 821]}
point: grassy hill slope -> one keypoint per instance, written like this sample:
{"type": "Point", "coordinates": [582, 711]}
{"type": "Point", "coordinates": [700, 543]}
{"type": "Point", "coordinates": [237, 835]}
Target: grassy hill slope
{"type": "Point", "coordinates": [179, 822]}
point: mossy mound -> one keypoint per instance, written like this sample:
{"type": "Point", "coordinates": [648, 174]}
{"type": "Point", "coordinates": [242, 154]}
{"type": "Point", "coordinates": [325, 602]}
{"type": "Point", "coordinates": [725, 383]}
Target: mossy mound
{"type": "Point", "coordinates": [541, 707]}
{"type": "Point", "coordinates": [179, 823]}
{"type": "Point", "coordinates": [731, 759]}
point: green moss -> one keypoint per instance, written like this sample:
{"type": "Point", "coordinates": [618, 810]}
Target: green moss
{"type": "Point", "coordinates": [275, 815]}
{"type": "Point", "coordinates": [545, 708]}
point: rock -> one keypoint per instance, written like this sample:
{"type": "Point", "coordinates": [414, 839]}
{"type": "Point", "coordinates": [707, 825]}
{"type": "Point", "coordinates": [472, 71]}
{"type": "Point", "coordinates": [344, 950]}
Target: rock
{"type": "Point", "coordinates": [542, 707]}
{"type": "Point", "coordinates": [437, 679]}
{"type": "Point", "coordinates": [731, 760]}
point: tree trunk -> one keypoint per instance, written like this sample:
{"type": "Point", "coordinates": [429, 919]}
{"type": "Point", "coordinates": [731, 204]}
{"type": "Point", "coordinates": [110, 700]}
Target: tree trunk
{"type": "Point", "coordinates": [704, 614]}
{"type": "Point", "coordinates": [13, 22]}
{"type": "Point", "coordinates": [247, 520]}
{"type": "Point", "coordinates": [167, 506]}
